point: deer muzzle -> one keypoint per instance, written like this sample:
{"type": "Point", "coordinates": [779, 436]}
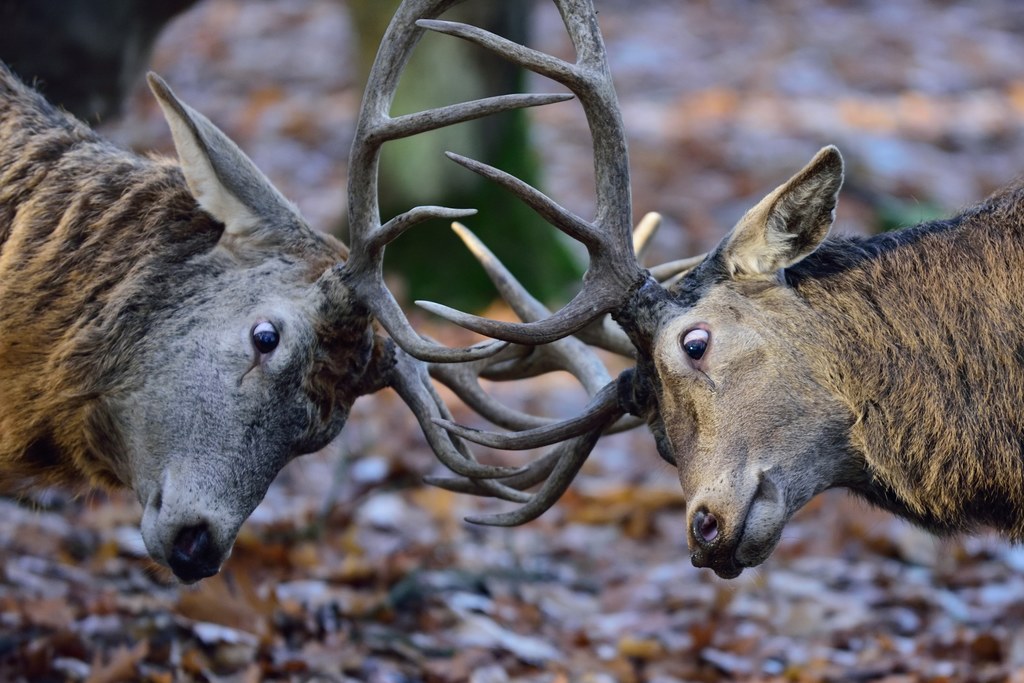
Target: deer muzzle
{"type": "Point", "coordinates": [728, 534]}
{"type": "Point", "coordinates": [191, 536]}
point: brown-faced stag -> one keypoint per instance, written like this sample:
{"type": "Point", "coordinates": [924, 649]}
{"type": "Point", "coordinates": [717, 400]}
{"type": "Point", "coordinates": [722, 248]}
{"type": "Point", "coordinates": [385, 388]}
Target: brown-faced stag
{"type": "Point", "coordinates": [177, 328]}
{"type": "Point", "coordinates": [784, 362]}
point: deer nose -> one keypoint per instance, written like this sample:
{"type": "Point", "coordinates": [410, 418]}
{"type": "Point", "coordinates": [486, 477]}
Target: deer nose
{"type": "Point", "coordinates": [704, 528]}
{"type": "Point", "coordinates": [194, 554]}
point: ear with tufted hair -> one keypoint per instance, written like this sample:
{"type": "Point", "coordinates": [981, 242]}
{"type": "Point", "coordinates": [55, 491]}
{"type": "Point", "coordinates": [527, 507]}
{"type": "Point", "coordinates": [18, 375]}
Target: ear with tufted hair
{"type": "Point", "coordinates": [224, 181]}
{"type": "Point", "coordinates": [789, 223]}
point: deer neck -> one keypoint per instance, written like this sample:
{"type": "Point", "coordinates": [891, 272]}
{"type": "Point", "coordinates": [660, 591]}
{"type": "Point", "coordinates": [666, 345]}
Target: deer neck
{"type": "Point", "coordinates": [84, 229]}
{"type": "Point", "coordinates": [925, 333]}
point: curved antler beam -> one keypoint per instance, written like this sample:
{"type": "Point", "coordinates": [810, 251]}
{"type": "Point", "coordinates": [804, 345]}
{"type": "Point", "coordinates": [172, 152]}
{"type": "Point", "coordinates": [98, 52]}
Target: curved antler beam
{"type": "Point", "coordinates": [574, 454]}
{"type": "Point", "coordinates": [605, 403]}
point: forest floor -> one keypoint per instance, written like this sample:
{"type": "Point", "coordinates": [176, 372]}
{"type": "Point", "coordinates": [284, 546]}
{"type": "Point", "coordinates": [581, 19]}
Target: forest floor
{"type": "Point", "coordinates": [352, 570]}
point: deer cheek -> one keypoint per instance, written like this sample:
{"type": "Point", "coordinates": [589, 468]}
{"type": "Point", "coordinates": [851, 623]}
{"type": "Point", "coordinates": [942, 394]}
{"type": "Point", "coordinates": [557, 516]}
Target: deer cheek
{"type": "Point", "coordinates": [681, 424]}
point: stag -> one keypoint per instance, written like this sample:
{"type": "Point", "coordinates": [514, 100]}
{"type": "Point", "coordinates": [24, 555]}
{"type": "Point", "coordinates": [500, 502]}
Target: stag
{"type": "Point", "coordinates": [784, 362]}
{"type": "Point", "coordinates": [176, 328]}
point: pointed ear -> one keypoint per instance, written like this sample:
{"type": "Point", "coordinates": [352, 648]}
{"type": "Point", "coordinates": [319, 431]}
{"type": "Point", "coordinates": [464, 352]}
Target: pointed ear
{"type": "Point", "coordinates": [224, 181]}
{"type": "Point", "coordinates": [789, 223]}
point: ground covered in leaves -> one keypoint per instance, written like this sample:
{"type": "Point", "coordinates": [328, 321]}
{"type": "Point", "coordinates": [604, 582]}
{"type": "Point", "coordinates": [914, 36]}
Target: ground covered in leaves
{"type": "Point", "coordinates": [351, 570]}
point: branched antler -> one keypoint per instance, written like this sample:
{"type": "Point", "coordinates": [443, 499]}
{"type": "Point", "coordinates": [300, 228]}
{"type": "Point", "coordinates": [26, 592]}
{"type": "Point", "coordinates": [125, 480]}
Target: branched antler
{"type": "Point", "coordinates": [575, 438]}
{"type": "Point", "coordinates": [614, 273]}
{"type": "Point", "coordinates": [542, 342]}
{"type": "Point", "coordinates": [363, 271]}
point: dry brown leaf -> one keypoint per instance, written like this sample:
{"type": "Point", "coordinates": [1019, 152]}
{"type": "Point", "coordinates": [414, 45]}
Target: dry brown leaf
{"type": "Point", "coordinates": [640, 648]}
{"type": "Point", "coordinates": [53, 613]}
{"type": "Point", "coordinates": [216, 601]}
{"type": "Point", "coordinates": [122, 665]}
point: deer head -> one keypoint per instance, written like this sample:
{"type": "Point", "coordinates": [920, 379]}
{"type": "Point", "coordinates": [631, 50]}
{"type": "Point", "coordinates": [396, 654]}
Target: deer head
{"type": "Point", "coordinates": [717, 373]}
{"type": "Point", "coordinates": [259, 360]}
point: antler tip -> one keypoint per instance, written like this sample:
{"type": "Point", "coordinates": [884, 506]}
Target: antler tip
{"type": "Point", "coordinates": [432, 24]}
{"type": "Point", "coordinates": [437, 309]}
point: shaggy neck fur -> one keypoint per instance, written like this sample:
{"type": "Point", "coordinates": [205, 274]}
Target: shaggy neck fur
{"type": "Point", "coordinates": [87, 234]}
{"type": "Point", "coordinates": [925, 336]}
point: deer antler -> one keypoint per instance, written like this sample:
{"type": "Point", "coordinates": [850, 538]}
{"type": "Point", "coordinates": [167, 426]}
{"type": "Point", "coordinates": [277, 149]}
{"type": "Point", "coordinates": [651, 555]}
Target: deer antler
{"type": "Point", "coordinates": [363, 271]}
{"type": "Point", "coordinates": [362, 274]}
{"type": "Point", "coordinates": [575, 438]}
{"type": "Point", "coordinates": [542, 342]}
{"type": "Point", "coordinates": [614, 273]}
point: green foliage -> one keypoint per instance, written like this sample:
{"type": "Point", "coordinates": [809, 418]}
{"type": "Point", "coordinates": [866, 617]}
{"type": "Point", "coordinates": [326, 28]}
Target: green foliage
{"type": "Point", "coordinates": [894, 213]}
{"type": "Point", "coordinates": [429, 259]}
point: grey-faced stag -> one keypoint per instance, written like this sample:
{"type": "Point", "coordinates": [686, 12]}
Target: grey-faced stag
{"type": "Point", "coordinates": [785, 362]}
{"type": "Point", "coordinates": [177, 327]}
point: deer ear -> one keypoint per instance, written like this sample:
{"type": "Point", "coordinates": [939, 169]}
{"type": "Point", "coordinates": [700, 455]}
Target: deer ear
{"type": "Point", "coordinates": [224, 181]}
{"type": "Point", "coordinates": [789, 223]}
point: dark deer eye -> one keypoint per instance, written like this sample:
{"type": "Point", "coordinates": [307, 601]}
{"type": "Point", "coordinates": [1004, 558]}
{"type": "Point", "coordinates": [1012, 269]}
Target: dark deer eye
{"type": "Point", "coordinates": [265, 337]}
{"type": "Point", "coordinates": [695, 343]}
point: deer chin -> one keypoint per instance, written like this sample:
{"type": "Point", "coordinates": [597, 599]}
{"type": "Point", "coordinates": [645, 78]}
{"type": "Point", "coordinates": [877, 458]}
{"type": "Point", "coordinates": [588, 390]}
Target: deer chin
{"type": "Point", "coordinates": [767, 515]}
{"type": "Point", "coordinates": [766, 518]}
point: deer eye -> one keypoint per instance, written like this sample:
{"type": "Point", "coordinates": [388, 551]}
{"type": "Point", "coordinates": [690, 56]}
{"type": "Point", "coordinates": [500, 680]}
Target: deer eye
{"type": "Point", "coordinates": [265, 337]}
{"type": "Point", "coordinates": [695, 343]}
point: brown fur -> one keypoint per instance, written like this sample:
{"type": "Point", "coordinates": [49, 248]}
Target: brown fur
{"type": "Point", "coordinates": [126, 356]}
{"type": "Point", "coordinates": [925, 334]}
{"type": "Point", "coordinates": [892, 366]}
{"type": "Point", "coordinates": [87, 230]}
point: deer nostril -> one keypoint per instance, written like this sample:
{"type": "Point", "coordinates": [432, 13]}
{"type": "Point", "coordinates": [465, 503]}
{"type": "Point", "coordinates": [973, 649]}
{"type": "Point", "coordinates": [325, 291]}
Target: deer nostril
{"type": "Point", "coordinates": [191, 540]}
{"type": "Point", "coordinates": [705, 527]}
{"type": "Point", "coordinates": [193, 555]}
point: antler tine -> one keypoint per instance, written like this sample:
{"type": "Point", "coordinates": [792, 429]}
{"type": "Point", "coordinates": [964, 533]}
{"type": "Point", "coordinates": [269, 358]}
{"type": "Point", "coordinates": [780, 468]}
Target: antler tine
{"type": "Point", "coordinates": [375, 126]}
{"type": "Point", "coordinates": [408, 125]}
{"type": "Point", "coordinates": [567, 465]}
{"type": "Point", "coordinates": [538, 471]}
{"type": "Point", "coordinates": [461, 380]}
{"type": "Point", "coordinates": [614, 273]}
{"type": "Point", "coordinates": [410, 380]}
{"type": "Point", "coordinates": [671, 269]}
{"type": "Point", "coordinates": [644, 232]}
{"type": "Point", "coordinates": [604, 403]}
{"type": "Point", "coordinates": [603, 333]}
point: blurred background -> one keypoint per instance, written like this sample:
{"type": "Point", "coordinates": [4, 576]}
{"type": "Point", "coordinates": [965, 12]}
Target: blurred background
{"type": "Point", "coordinates": [352, 571]}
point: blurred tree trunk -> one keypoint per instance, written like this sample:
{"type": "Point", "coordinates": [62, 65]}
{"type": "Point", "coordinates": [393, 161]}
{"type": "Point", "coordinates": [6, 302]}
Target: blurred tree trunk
{"type": "Point", "coordinates": [85, 55]}
{"type": "Point", "coordinates": [444, 70]}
